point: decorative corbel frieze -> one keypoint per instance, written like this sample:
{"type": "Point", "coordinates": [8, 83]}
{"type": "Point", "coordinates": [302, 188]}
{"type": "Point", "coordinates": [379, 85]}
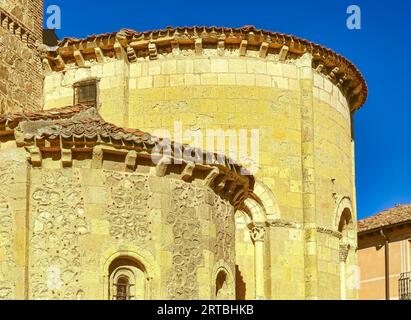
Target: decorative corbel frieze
{"type": "Point", "coordinates": [263, 50]}
{"type": "Point", "coordinates": [175, 47]}
{"type": "Point", "coordinates": [319, 68]}
{"type": "Point", "coordinates": [66, 157]}
{"type": "Point", "coordinates": [131, 160]}
{"type": "Point", "coordinates": [18, 32]}
{"type": "Point", "coordinates": [198, 47]}
{"type": "Point", "coordinates": [333, 73]}
{"type": "Point", "coordinates": [152, 51]}
{"type": "Point", "coordinates": [188, 171]}
{"type": "Point", "coordinates": [208, 181]}
{"type": "Point", "coordinates": [161, 166]}
{"type": "Point", "coordinates": [35, 156]}
{"type": "Point", "coordinates": [99, 55]}
{"type": "Point", "coordinates": [78, 56]}
{"type": "Point", "coordinates": [221, 47]}
{"type": "Point", "coordinates": [119, 51]}
{"type": "Point", "coordinates": [132, 57]}
{"type": "Point", "coordinates": [46, 65]}
{"type": "Point", "coordinates": [97, 161]}
{"type": "Point", "coordinates": [283, 53]}
{"type": "Point", "coordinates": [243, 48]}
{"type": "Point", "coordinates": [59, 62]}
{"type": "Point", "coordinates": [5, 23]}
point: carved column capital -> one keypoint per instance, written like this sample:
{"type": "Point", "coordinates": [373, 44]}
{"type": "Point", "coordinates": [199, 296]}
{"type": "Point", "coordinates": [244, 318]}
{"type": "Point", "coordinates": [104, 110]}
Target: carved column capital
{"type": "Point", "coordinates": [257, 233]}
{"type": "Point", "coordinates": [344, 249]}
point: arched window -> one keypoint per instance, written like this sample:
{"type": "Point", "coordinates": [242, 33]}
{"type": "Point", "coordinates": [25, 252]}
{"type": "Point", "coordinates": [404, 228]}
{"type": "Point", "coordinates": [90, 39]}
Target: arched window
{"type": "Point", "coordinates": [221, 290]}
{"type": "Point", "coordinates": [347, 230]}
{"type": "Point", "coordinates": [127, 279]}
{"type": "Point", "coordinates": [123, 288]}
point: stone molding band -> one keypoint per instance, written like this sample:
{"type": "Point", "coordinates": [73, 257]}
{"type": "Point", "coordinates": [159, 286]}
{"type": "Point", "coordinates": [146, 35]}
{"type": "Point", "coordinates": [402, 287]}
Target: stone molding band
{"type": "Point", "coordinates": [280, 223]}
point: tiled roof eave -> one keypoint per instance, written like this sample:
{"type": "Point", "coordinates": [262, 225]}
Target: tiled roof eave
{"type": "Point", "coordinates": [130, 39]}
{"type": "Point", "coordinates": [393, 217]}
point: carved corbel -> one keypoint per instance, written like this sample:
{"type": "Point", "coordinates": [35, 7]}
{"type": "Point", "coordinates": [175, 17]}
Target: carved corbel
{"type": "Point", "coordinates": [283, 53]}
{"type": "Point", "coordinates": [97, 161]}
{"type": "Point", "coordinates": [46, 65]}
{"type": "Point", "coordinates": [263, 50]}
{"type": "Point", "coordinates": [19, 136]}
{"type": "Point", "coordinates": [243, 48]}
{"type": "Point", "coordinates": [175, 47]}
{"type": "Point", "coordinates": [208, 181]}
{"type": "Point", "coordinates": [332, 75]}
{"type": "Point", "coordinates": [188, 171]}
{"type": "Point", "coordinates": [162, 165]}
{"type": "Point", "coordinates": [5, 23]}
{"type": "Point", "coordinates": [198, 46]}
{"type": "Point", "coordinates": [35, 156]}
{"type": "Point", "coordinates": [78, 56]}
{"type": "Point", "coordinates": [66, 157]}
{"type": "Point", "coordinates": [132, 57]}
{"type": "Point", "coordinates": [251, 36]}
{"type": "Point", "coordinates": [319, 68]}
{"type": "Point", "coordinates": [18, 32]}
{"type": "Point", "coordinates": [59, 62]}
{"type": "Point", "coordinates": [230, 188]}
{"type": "Point", "coordinates": [152, 51]}
{"type": "Point", "coordinates": [131, 160]}
{"type": "Point", "coordinates": [119, 51]}
{"type": "Point", "coordinates": [221, 47]}
{"type": "Point", "coordinates": [99, 55]}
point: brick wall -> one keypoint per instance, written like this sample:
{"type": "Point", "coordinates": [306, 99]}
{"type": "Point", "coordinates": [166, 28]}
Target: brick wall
{"type": "Point", "coordinates": [21, 79]}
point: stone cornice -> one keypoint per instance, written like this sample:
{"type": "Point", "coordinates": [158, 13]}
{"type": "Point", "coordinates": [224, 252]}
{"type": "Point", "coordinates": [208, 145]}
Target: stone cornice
{"type": "Point", "coordinates": [133, 45]}
{"type": "Point", "coordinates": [76, 131]}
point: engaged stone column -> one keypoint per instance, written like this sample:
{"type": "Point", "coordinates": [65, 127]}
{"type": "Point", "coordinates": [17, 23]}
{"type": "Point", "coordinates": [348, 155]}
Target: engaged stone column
{"type": "Point", "coordinates": [344, 248]}
{"type": "Point", "coordinates": [308, 177]}
{"type": "Point", "coordinates": [257, 235]}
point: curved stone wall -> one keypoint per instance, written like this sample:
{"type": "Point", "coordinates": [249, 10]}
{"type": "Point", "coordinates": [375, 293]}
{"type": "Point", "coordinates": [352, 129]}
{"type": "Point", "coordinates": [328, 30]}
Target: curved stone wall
{"type": "Point", "coordinates": [302, 107]}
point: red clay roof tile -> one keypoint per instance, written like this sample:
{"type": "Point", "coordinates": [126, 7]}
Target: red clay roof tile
{"type": "Point", "coordinates": [398, 214]}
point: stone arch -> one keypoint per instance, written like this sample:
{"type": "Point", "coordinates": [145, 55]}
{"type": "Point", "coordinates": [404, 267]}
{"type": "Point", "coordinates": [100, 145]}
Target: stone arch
{"type": "Point", "coordinates": [141, 257]}
{"type": "Point", "coordinates": [255, 210]}
{"type": "Point", "coordinates": [345, 203]}
{"type": "Point", "coordinates": [223, 279]}
{"type": "Point", "coordinates": [259, 209]}
{"type": "Point", "coordinates": [345, 225]}
{"type": "Point", "coordinates": [265, 197]}
{"type": "Point", "coordinates": [127, 279]}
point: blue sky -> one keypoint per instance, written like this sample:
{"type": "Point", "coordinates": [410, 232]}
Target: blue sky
{"type": "Point", "coordinates": [380, 50]}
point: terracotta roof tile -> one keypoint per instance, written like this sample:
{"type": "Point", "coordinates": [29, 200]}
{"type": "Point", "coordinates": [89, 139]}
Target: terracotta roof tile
{"type": "Point", "coordinates": [82, 122]}
{"type": "Point", "coordinates": [74, 121]}
{"type": "Point", "coordinates": [398, 214]}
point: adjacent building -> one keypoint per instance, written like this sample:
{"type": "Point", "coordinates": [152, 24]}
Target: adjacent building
{"type": "Point", "coordinates": [384, 255]}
